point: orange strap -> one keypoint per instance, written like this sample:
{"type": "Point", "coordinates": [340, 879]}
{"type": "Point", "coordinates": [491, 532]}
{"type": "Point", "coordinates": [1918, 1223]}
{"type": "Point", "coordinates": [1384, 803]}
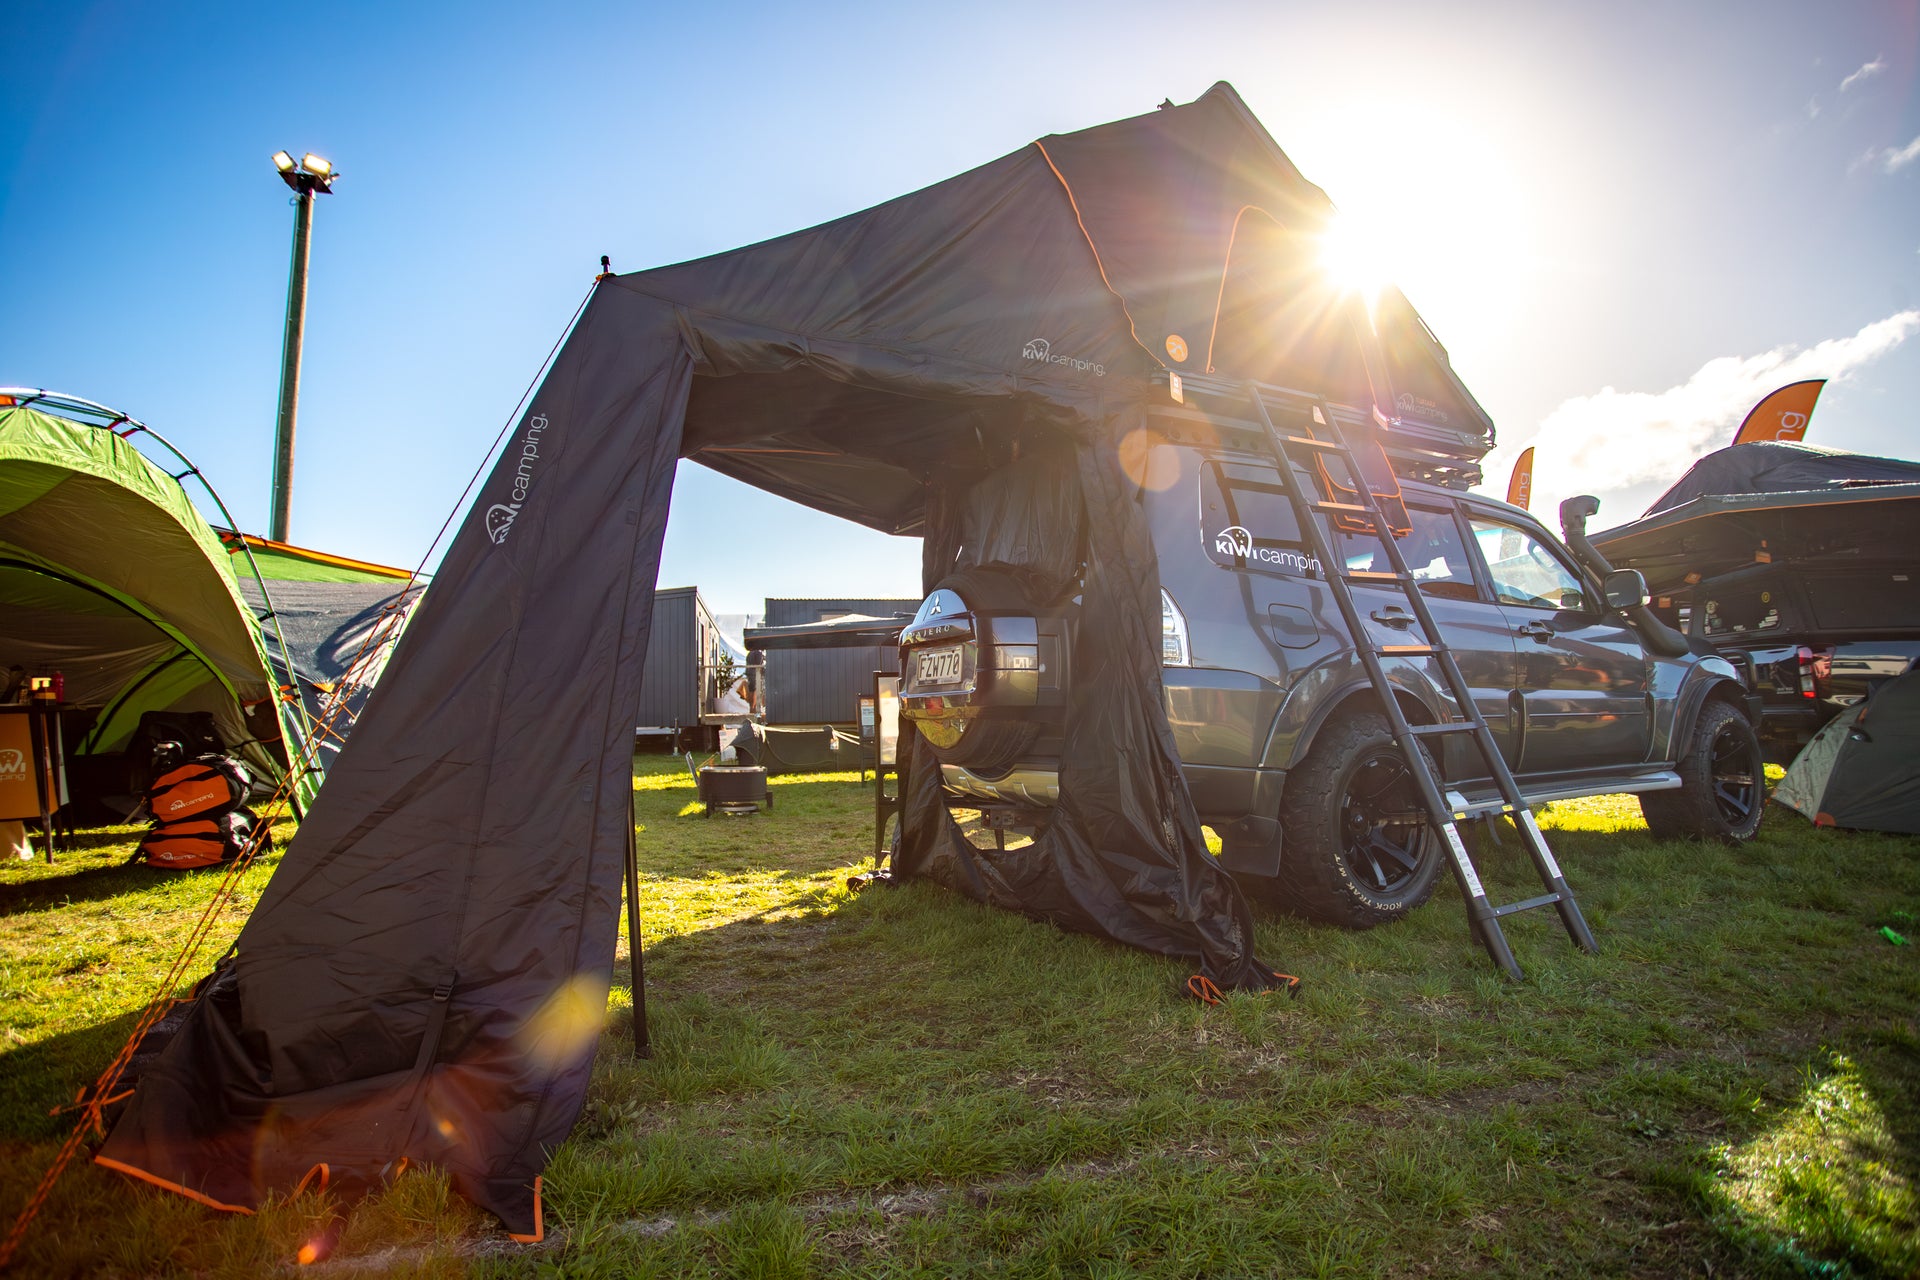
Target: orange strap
{"type": "Point", "coordinates": [1206, 991]}
{"type": "Point", "coordinates": [158, 1181]}
{"type": "Point", "coordinates": [319, 1171]}
{"type": "Point", "coordinates": [539, 1219]}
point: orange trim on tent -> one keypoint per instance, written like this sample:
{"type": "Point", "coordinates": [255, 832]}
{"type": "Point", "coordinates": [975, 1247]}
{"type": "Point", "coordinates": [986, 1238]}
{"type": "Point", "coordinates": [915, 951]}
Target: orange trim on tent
{"type": "Point", "coordinates": [174, 1187]}
{"type": "Point", "coordinates": [1226, 265]}
{"type": "Point", "coordinates": [1100, 266]}
{"type": "Point", "coordinates": [539, 1219]}
{"type": "Point", "coordinates": [319, 1170]}
{"type": "Point", "coordinates": [308, 553]}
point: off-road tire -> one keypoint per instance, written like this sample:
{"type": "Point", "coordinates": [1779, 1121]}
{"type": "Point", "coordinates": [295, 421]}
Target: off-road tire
{"type": "Point", "coordinates": [1332, 870]}
{"type": "Point", "coordinates": [1723, 785]}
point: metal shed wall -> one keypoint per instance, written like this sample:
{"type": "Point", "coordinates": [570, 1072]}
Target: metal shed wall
{"type": "Point", "coordinates": [820, 686]}
{"type": "Point", "coordinates": [670, 685]}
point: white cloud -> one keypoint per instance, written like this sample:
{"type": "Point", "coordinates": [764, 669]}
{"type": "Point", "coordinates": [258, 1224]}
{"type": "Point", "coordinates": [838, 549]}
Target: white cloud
{"type": "Point", "coordinates": [1613, 440]}
{"type": "Point", "coordinates": [1813, 108]}
{"type": "Point", "coordinates": [1866, 72]}
{"type": "Point", "coordinates": [1895, 160]}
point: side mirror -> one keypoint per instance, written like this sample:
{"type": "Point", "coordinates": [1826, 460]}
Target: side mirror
{"type": "Point", "coordinates": [1625, 589]}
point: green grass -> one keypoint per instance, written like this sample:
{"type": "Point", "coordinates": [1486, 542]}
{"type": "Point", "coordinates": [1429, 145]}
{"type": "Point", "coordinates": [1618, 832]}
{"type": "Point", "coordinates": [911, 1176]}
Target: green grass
{"type": "Point", "coordinates": [905, 1083]}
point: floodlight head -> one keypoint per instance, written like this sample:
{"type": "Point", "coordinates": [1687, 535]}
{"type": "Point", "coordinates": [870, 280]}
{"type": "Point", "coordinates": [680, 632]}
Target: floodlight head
{"type": "Point", "coordinates": [307, 175]}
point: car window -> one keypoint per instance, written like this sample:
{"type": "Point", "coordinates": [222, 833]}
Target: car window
{"type": "Point", "coordinates": [1433, 551]}
{"type": "Point", "coordinates": [1247, 522]}
{"type": "Point", "coordinates": [1526, 571]}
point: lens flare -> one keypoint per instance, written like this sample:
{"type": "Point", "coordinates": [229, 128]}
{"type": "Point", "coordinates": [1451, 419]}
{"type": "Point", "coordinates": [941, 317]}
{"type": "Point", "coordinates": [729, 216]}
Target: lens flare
{"type": "Point", "coordinates": [1351, 257]}
{"type": "Point", "coordinates": [1146, 461]}
{"type": "Point", "coordinates": [569, 1022]}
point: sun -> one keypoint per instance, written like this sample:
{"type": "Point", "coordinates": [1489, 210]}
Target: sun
{"type": "Point", "coordinates": [1352, 256]}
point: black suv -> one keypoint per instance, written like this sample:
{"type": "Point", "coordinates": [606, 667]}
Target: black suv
{"type": "Point", "coordinates": [1810, 644]}
{"type": "Point", "coordinates": [1285, 749]}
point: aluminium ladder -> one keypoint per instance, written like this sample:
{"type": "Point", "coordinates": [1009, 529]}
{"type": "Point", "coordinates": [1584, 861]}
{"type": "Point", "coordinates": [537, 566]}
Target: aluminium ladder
{"type": "Point", "coordinates": [1314, 515]}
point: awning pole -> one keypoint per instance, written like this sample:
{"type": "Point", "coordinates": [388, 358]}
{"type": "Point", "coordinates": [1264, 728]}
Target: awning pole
{"type": "Point", "coordinates": [642, 1048]}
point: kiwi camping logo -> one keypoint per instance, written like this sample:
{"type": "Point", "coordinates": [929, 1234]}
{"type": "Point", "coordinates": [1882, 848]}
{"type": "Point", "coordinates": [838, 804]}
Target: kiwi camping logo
{"type": "Point", "coordinates": [13, 765]}
{"type": "Point", "coordinates": [1237, 542]}
{"type": "Point", "coordinates": [1042, 350]}
{"type": "Point", "coordinates": [1407, 402]}
{"type": "Point", "coordinates": [501, 515]}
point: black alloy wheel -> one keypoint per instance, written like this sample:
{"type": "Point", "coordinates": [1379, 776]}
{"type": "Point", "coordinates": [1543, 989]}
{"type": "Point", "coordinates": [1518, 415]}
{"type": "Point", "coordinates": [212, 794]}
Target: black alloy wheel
{"type": "Point", "coordinates": [1737, 771]}
{"type": "Point", "coordinates": [1357, 849]}
{"type": "Point", "coordinates": [1723, 782]}
{"type": "Point", "coordinates": [1383, 834]}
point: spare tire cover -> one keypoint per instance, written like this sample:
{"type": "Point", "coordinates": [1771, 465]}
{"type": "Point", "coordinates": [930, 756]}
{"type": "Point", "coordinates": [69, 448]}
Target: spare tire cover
{"type": "Point", "coordinates": [984, 745]}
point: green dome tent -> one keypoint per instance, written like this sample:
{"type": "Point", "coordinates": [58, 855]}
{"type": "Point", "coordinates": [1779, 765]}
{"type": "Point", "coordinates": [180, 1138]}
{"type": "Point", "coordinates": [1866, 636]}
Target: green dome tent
{"type": "Point", "coordinates": [1862, 770]}
{"type": "Point", "coordinates": [111, 576]}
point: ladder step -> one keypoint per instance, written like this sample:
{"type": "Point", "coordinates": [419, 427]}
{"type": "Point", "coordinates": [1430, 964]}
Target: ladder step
{"type": "Point", "coordinates": [1435, 730]}
{"type": "Point", "coordinates": [1406, 650]}
{"type": "Point", "coordinates": [1478, 809]}
{"type": "Point", "coordinates": [1368, 575]}
{"type": "Point", "coordinates": [1342, 509]}
{"type": "Point", "coordinates": [1308, 442]}
{"type": "Point", "coordinates": [1514, 908]}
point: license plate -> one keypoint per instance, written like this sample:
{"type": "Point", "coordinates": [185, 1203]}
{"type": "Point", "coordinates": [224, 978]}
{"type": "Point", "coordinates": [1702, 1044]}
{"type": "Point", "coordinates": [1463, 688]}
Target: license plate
{"type": "Point", "coordinates": [937, 666]}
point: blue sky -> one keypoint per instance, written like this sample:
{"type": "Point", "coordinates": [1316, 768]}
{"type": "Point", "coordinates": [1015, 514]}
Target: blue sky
{"type": "Point", "coordinates": [1624, 221]}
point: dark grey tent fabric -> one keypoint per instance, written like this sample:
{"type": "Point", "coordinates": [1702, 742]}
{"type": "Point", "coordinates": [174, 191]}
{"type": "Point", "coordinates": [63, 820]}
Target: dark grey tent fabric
{"type": "Point", "coordinates": [1778, 466]}
{"type": "Point", "coordinates": [1791, 502]}
{"type": "Point", "coordinates": [410, 984]}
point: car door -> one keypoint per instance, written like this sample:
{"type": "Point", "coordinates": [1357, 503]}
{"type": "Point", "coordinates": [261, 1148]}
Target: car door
{"type": "Point", "coordinates": [1472, 626]}
{"type": "Point", "coordinates": [1581, 676]}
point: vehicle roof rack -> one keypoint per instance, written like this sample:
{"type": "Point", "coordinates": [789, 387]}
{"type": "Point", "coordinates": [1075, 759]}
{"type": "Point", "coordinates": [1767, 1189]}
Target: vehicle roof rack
{"type": "Point", "coordinates": [1418, 451]}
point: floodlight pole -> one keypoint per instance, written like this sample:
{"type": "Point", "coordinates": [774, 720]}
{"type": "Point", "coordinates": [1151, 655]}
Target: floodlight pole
{"type": "Point", "coordinates": [306, 179]}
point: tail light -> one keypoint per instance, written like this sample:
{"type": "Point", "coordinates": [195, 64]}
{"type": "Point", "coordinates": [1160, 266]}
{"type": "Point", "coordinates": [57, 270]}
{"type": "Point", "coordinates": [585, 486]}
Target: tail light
{"type": "Point", "coordinates": [1804, 656]}
{"type": "Point", "coordinates": [1174, 650]}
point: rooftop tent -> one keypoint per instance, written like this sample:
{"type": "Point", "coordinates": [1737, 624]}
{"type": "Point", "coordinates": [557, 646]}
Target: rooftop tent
{"type": "Point", "coordinates": [110, 575]}
{"type": "Point", "coordinates": [1770, 502]}
{"type": "Point", "coordinates": [458, 880]}
{"type": "Point", "coordinates": [340, 619]}
{"type": "Point", "coordinates": [1778, 466]}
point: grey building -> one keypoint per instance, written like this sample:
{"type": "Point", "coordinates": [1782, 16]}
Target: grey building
{"type": "Point", "coordinates": [683, 653]}
{"type": "Point", "coordinates": [821, 686]}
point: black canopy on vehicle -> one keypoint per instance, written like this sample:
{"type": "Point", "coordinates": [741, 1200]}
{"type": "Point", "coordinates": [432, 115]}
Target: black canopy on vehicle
{"type": "Point", "coordinates": [409, 984]}
{"type": "Point", "coordinates": [1771, 502]}
{"type": "Point", "coordinates": [1781, 466]}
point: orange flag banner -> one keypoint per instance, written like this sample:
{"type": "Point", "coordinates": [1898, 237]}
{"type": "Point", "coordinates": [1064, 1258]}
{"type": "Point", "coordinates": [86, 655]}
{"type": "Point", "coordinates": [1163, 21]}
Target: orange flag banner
{"type": "Point", "coordinates": [1782, 415]}
{"type": "Point", "coordinates": [1520, 483]}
